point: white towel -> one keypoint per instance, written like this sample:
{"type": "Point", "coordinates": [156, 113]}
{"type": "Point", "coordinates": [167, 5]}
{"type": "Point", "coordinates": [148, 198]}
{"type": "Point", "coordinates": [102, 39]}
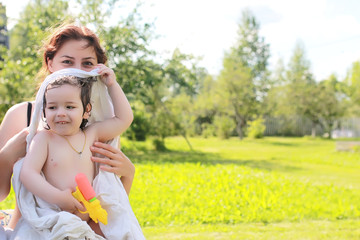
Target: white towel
{"type": "Point", "coordinates": [5, 233]}
{"type": "Point", "coordinates": [41, 220]}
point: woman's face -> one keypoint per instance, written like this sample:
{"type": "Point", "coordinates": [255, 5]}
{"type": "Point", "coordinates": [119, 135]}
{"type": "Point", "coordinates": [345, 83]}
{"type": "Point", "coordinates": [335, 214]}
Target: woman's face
{"type": "Point", "coordinates": [74, 54]}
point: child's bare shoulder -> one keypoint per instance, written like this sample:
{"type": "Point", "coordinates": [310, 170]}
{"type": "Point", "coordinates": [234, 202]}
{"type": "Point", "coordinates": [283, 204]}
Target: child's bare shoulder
{"type": "Point", "coordinates": [42, 135]}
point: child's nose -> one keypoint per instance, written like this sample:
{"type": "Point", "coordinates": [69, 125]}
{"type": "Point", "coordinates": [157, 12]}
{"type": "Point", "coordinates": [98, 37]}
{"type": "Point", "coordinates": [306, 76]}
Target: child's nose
{"type": "Point", "coordinates": [61, 112]}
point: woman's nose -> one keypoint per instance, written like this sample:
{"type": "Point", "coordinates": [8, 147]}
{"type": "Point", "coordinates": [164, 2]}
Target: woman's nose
{"type": "Point", "coordinates": [77, 65]}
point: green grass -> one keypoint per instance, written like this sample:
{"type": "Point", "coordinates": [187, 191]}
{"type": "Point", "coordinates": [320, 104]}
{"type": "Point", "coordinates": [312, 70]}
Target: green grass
{"type": "Point", "coordinates": [271, 188]}
{"type": "Point", "coordinates": [310, 230]}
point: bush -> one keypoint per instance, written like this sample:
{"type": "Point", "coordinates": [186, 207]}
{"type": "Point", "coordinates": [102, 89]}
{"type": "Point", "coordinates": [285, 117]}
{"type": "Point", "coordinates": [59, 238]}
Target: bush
{"type": "Point", "coordinates": [256, 128]}
{"type": "Point", "coordinates": [159, 145]}
{"type": "Point", "coordinates": [139, 127]}
{"type": "Point", "coordinates": [208, 130]}
{"type": "Point", "coordinates": [224, 126]}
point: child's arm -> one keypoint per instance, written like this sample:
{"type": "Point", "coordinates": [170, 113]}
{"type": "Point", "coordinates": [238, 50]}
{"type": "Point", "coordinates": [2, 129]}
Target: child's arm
{"type": "Point", "coordinates": [31, 178]}
{"type": "Point", "coordinates": [113, 127]}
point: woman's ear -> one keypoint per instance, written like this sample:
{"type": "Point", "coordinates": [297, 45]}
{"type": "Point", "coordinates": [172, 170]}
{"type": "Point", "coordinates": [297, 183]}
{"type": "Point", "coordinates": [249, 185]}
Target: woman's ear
{"type": "Point", "coordinates": [87, 111]}
{"type": "Point", "coordinates": [49, 65]}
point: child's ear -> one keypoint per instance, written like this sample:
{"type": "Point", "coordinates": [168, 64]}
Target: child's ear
{"type": "Point", "coordinates": [87, 111]}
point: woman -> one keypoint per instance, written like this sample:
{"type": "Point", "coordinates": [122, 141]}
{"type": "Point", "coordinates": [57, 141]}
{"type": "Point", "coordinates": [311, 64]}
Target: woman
{"type": "Point", "coordinates": [69, 46]}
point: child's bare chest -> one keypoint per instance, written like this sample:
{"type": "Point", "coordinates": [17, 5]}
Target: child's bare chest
{"type": "Point", "coordinates": [63, 163]}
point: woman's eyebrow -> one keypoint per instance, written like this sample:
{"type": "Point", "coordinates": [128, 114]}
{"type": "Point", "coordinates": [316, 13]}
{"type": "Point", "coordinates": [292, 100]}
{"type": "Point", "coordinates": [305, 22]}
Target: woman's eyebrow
{"type": "Point", "coordinates": [66, 56]}
{"type": "Point", "coordinates": [89, 58]}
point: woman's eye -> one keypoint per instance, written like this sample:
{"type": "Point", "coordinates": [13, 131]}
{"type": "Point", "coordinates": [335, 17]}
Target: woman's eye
{"type": "Point", "coordinates": [88, 64]}
{"type": "Point", "coordinates": [67, 62]}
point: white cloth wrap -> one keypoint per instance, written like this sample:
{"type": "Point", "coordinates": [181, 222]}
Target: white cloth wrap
{"type": "Point", "coordinates": [41, 220]}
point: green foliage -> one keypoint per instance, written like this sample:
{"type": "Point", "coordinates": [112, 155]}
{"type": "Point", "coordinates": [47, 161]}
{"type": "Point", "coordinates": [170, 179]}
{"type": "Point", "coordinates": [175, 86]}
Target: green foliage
{"type": "Point", "coordinates": [301, 84]}
{"type": "Point", "coordinates": [28, 34]}
{"type": "Point", "coordinates": [159, 145]}
{"type": "Point", "coordinates": [353, 81]}
{"type": "Point", "coordinates": [139, 127]}
{"type": "Point", "coordinates": [208, 130]}
{"type": "Point", "coordinates": [23, 61]}
{"type": "Point", "coordinates": [256, 128]}
{"type": "Point", "coordinates": [162, 125]}
{"type": "Point", "coordinates": [224, 126]}
{"type": "Point", "coordinates": [331, 105]}
{"type": "Point", "coordinates": [244, 78]}
{"type": "Point", "coordinates": [251, 50]}
{"type": "Point", "coordinates": [205, 107]}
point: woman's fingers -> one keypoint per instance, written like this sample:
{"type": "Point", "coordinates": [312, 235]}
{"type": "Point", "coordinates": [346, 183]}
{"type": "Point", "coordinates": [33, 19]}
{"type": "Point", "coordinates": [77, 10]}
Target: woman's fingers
{"type": "Point", "coordinates": [106, 146]}
{"type": "Point", "coordinates": [115, 161]}
{"type": "Point", "coordinates": [102, 160]}
{"type": "Point", "coordinates": [110, 169]}
{"type": "Point", "coordinates": [102, 151]}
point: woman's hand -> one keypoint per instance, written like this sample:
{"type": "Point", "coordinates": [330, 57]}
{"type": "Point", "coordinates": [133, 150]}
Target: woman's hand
{"type": "Point", "coordinates": [114, 161]}
{"type": "Point", "coordinates": [108, 76]}
{"type": "Point", "coordinates": [15, 147]}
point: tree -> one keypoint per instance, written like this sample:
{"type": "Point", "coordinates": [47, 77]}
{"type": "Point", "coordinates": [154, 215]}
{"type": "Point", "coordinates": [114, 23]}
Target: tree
{"type": "Point", "coordinates": [206, 106]}
{"type": "Point", "coordinates": [236, 94]}
{"type": "Point", "coordinates": [243, 82]}
{"type": "Point", "coordinates": [331, 102]}
{"type": "Point", "coordinates": [23, 61]}
{"type": "Point", "coordinates": [302, 93]}
{"type": "Point", "coordinates": [174, 82]}
{"type": "Point", "coordinates": [352, 88]}
{"type": "Point", "coordinates": [275, 103]}
{"type": "Point", "coordinates": [252, 52]}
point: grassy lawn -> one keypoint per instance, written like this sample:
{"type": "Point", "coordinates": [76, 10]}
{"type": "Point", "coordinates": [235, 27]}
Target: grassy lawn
{"type": "Point", "coordinates": [272, 188]}
{"type": "Point", "coordinates": [310, 229]}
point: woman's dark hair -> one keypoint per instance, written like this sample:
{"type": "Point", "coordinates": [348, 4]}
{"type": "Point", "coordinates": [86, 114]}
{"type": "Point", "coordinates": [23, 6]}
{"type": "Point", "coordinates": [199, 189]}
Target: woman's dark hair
{"type": "Point", "coordinates": [84, 84]}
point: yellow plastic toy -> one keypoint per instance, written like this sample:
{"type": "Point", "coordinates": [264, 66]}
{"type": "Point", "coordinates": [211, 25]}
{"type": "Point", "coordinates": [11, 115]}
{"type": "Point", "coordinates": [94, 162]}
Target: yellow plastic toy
{"type": "Point", "coordinates": [85, 193]}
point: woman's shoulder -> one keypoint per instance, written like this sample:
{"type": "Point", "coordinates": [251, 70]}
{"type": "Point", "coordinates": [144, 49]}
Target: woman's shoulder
{"type": "Point", "coordinates": [17, 115]}
{"type": "Point", "coordinates": [19, 107]}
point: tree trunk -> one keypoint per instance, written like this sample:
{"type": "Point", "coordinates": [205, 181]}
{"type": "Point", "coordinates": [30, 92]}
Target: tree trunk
{"type": "Point", "coordinates": [331, 125]}
{"type": "Point", "coordinates": [313, 130]}
{"type": "Point", "coordinates": [182, 131]}
{"type": "Point", "coordinates": [239, 124]}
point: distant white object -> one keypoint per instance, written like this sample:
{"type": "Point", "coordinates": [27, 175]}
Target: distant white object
{"type": "Point", "coordinates": [342, 133]}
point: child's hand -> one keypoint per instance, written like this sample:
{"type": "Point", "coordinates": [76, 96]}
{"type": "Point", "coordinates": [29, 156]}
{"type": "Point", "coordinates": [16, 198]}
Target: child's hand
{"type": "Point", "coordinates": [107, 75]}
{"type": "Point", "coordinates": [68, 203]}
{"type": "Point", "coordinates": [114, 161]}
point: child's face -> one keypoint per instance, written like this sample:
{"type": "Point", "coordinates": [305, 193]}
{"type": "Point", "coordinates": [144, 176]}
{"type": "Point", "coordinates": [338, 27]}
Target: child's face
{"type": "Point", "coordinates": [64, 109]}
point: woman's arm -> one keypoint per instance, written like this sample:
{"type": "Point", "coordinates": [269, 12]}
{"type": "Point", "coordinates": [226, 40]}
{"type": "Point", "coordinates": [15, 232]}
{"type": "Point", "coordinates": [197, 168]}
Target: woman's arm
{"type": "Point", "coordinates": [13, 134]}
{"type": "Point", "coordinates": [116, 162]}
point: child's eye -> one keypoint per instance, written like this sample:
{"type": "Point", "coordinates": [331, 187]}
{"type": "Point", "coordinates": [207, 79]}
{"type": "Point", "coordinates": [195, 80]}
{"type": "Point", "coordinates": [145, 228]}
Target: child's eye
{"type": "Point", "coordinates": [51, 107]}
{"type": "Point", "coordinates": [70, 107]}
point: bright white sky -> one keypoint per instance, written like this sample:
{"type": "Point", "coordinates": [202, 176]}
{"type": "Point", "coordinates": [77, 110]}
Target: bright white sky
{"type": "Point", "coordinates": [329, 29]}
